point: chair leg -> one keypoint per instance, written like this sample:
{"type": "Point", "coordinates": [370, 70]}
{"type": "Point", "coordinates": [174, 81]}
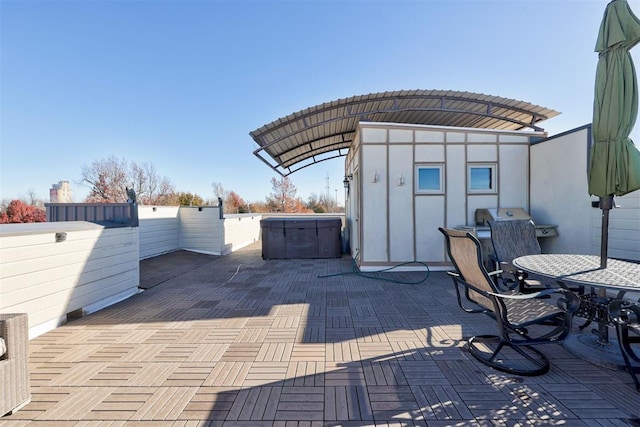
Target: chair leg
{"type": "Point", "coordinates": [627, 352]}
{"type": "Point", "coordinates": [534, 362]}
{"type": "Point", "coordinates": [585, 324]}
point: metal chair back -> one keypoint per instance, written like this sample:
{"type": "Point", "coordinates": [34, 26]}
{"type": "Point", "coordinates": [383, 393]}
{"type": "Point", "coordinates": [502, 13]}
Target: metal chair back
{"type": "Point", "coordinates": [514, 238]}
{"type": "Point", "coordinates": [465, 253]}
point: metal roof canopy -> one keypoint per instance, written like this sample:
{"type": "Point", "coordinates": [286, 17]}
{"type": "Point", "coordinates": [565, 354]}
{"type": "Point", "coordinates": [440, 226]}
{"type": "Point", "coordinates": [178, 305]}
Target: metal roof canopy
{"type": "Point", "coordinates": [326, 131]}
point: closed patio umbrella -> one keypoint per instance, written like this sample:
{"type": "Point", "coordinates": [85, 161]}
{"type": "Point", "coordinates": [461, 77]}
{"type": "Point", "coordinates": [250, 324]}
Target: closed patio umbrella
{"type": "Point", "coordinates": [614, 167]}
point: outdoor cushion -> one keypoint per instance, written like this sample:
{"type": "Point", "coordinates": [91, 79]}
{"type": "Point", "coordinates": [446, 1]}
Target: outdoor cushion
{"type": "Point", "coordinates": [3, 347]}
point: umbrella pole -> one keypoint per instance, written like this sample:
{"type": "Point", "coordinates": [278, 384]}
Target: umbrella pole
{"type": "Point", "coordinates": [606, 203]}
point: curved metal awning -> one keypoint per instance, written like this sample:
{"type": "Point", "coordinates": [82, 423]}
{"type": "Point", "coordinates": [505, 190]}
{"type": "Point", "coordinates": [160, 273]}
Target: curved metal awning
{"type": "Point", "coordinates": [326, 131]}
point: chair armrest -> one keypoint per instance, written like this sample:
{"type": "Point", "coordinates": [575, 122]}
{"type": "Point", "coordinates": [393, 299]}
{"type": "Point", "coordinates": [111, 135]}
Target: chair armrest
{"type": "Point", "coordinates": [459, 279]}
{"type": "Point", "coordinates": [15, 332]}
{"type": "Point", "coordinates": [568, 302]}
{"type": "Point", "coordinates": [509, 268]}
{"type": "Point", "coordinates": [625, 312]}
{"type": "Point", "coordinates": [454, 274]}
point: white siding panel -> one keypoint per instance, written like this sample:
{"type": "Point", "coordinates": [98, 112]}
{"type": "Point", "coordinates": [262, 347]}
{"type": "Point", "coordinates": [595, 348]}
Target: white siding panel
{"type": "Point", "coordinates": [482, 137]}
{"type": "Point", "coordinates": [559, 194]}
{"type": "Point", "coordinates": [456, 137]}
{"type": "Point", "coordinates": [159, 230]}
{"type": "Point", "coordinates": [400, 135]}
{"type": "Point", "coordinates": [430, 214]}
{"type": "Point", "coordinates": [401, 203]}
{"type": "Point", "coordinates": [455, 185]}
{"type": "Point", "coordinates": [240, 231]}
{"type": "Point", "coordinates": [41, 248]}
{"type": "Point", "coordinates": [515, 139]}
{"type": "Point", "coordinates": [429, 136]}
{"type": "Point", "coordinates": [513, 176]}
{"type": "Point", "coordinates": [624, 227]}
{"type": "Point", "coordinates": [482, 153]}
{"type": "Point", "coordinates": [47, 280]}
{"type": "Point", "coordinates": [201, 230]}
{"type": "Point", "coordinates": [373, 135]}
{"type": "Point", "coordinates": [429, 153]}
{"type": "Point", "coordinates": [374, 205]}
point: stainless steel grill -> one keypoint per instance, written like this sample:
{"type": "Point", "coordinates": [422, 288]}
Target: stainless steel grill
{"type": "Point", "coordinates": [483, 216]}
{"type": "Point", "coordinates": [483, 232]}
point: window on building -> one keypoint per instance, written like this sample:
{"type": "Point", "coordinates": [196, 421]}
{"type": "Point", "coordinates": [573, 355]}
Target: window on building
{"type": "Point", "coordinates": [482, 179]}
{"type": "Point", "coordinates": [429, 179]}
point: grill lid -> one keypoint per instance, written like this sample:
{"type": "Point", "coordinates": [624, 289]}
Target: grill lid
{"type": "Point", "coordinates": [483, 216]}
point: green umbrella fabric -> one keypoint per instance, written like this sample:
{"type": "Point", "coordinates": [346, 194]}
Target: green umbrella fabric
{"type": "Point", "coordinates": [615, 160]}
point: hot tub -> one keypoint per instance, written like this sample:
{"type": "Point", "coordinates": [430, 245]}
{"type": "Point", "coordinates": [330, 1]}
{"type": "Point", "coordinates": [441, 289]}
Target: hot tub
{"type": "Point", "coordinates": [300, 238]}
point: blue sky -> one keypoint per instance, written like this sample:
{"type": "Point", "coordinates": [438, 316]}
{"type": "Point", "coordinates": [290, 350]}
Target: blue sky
{"type": "Point", "coordinates": [181, 84]}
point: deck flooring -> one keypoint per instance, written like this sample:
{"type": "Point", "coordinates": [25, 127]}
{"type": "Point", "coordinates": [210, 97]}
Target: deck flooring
{"type": "Point", "coordinates": [242, 341]}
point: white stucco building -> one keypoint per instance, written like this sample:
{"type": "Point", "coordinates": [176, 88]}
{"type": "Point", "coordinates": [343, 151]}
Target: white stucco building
{"type": "Point", "coordinates": [419, 160]}
{"type": "Point", "coordinates": [60, 193]}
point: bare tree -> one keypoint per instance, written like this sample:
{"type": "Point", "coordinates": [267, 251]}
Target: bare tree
{"type": "Point", "coordinates": [150, 188]}
{"type": "Point", "coordinates": [218, 189]}
{"type": "Point", "coordinates": [32, 199]}
{"type": "Point", "coordinates": [283, 197]}
{"type": "Point", "coordinates": [106, 179]}
{"type": "Point", "coordinates": [109, 178]}
{"type": "Point", "coordinates": [322, 203]}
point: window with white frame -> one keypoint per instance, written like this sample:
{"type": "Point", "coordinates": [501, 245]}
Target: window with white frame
{"type": "Point", "coordinates": [429, 179]}
{"type": "Point", "coordinates": [482, 178]}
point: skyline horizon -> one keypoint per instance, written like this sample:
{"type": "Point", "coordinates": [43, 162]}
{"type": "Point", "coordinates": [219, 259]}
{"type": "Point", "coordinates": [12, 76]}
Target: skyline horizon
{"type": "Point", "coordinates": [181, 84]}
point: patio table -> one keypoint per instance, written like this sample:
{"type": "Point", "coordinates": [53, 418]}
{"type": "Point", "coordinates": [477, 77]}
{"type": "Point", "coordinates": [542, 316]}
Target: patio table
{"type": "Point", "coordinates": [620, 276]}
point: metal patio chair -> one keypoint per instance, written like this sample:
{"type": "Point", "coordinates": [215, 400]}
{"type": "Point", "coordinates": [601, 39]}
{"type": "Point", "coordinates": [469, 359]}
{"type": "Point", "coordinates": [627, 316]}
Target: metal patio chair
{"type": "Point", "coordinates": [522, 320]}
{"type": "Point", "coordinates": [512, 239]}
{"type": "Point", "coordinates": [626, 316]}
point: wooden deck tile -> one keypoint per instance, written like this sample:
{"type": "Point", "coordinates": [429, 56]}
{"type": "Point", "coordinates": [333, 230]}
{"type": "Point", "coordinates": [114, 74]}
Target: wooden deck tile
{"type": "Point", "coordinates": [305, 374]}
{"type": "Point", "coordinates": [231, 374]}
{"type": "Point", "coordinates": [343, 374]}
{"type": "Point", "coordinates": [311, 334]}
{"type": "Point", "coordinates": [375, 349]}
{"type": "Point", "coordinates": [245, 352]}
{"type": "Point", "coordinates": [153, 374]}
{"type": "Point", "coordinates": [300, 403]}
{"type": "Point", "coordinates": [77, 404]}
{"type": "Point", "coordinates": [272, 344]}
{"type": "Point", "coordinates": [342, 352]}
{"type": "Point", "coordinates": [251, 335]}
{"type": "Point", "coordinates": [393, 402]}
{"type": "Point", "coordinates": [189, 375]}
{"type": "Point", "coordinates": [266, 373]}
{"type": "Point", "coordinates": [114, 375]}
{"type": "Point", "coordinates": [165, 403]}
{"type": "Point", "coordinates": [274, 352]}
{"type": "Point", "coordinates": [347, 403]}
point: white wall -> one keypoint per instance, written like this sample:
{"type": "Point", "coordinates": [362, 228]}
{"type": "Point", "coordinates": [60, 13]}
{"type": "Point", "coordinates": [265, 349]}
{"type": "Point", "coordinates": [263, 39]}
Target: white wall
{"type": "Point", "coordinates": [401, 229]}
{"type": "Point", "coordinates": [399, 224]}
{"type": "Point", "coordinates": [92, 268]}
{"type": "Point", "coordinates": [169, 228]}
{"type": "Point", "coordinates": [559, 194]}
{"type": "Point", "coordinates": [374, 198]}
{"type": "Point", "coordinates": [159, 230]}
{"type": "Point", "coordinates": [201, 229]}
{"type": "Point", "coordinates": [624, 227]}
{"type": "Point", "coordinates": [240, 230]}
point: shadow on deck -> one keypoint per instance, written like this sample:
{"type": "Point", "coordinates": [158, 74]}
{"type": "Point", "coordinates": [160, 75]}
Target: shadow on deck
{"type": "Point", "coordinates": [238, 340]}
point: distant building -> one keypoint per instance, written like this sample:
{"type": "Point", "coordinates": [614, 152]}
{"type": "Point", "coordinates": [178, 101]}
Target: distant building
{"type": "Point", "coordinates": [60, 193]}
